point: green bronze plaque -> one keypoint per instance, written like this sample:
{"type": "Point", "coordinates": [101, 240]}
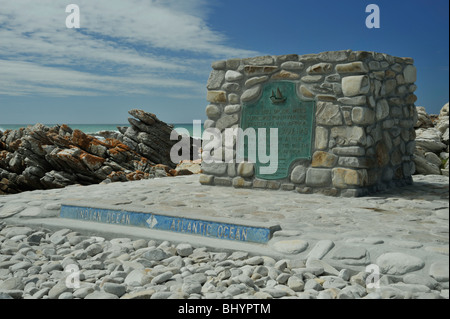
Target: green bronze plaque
{"type": "Point", "coordinates": [279, 107]}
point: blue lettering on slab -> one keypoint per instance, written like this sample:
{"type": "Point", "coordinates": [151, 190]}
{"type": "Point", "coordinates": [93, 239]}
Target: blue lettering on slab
{"type": "Point", "coordinates": [169, 223]}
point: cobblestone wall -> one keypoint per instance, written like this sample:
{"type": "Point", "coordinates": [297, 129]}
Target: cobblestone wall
{"type": "Point", "coordinates": [363, 133]}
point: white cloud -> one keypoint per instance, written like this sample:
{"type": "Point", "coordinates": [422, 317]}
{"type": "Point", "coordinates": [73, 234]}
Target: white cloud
{"type": "Point", "coordinates": [122, 47]}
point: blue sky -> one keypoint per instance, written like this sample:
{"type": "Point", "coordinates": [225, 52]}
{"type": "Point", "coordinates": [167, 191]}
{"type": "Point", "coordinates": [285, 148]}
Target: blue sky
{"type": "Point", "coordinates": [156, 54]}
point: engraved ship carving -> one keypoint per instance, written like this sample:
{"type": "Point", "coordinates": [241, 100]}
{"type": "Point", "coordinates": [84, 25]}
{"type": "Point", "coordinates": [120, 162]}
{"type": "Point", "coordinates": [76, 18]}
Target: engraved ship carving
{"type": "Point", "coordinates": [278, 98]}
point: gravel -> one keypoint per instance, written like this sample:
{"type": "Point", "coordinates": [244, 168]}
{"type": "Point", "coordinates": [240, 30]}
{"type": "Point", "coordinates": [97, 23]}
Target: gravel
{"type": "Point", "coordinates": [41, 264]}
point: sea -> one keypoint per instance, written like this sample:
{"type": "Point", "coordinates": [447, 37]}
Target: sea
{"type": "Point", "coordinates": [93, 129]}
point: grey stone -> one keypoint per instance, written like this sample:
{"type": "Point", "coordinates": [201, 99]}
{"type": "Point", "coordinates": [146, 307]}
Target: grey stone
{"type": "Point", "coordinates": [184, 250]}
{"type": "Point", "coordinates": [422, 166]}
{"type": "Point", "coordinates": [17, 230]}
{"type": "Point", "coordinates": [114, 288]}
{"type": "Point", "coordinates": [13, 283]}
{"type": "Point", "coordinates": [227, 121]}
{"type": "Point", "coordinates": [320, 68]}
{"type": "Point", "coordinates": [196, 278]}
{"type": "Point", "coordinates": [355, 85]}
{"type": "Point", "coordinates": [397, 263]}
{"type": "Point", "coordinates": [101, 295]}
{"type": "Point", "coordinates": [439, 271]}
{"type": "Point", "coordinates": [355, 100]}
{"type": "Point", "coordinates": [256, 260]}
{"type": "Point", "coordinates": [293, 246]}
{"type": "Point", "coordinates": [191, 288]}
{"type": "Point", "coordinates": [327, 268]}
{"type": "Point", "coordinates": [245, 169]}
{"type": "Point", "coordinates": [349, 151]}
{"type": "Point", "coordinates": [350, 292]}
{"type": "Point", "coordinates": [233, 108]}
{"type": "Point", "coordinates": [321, 137]}
{"type": "Point", "coordinates": [349, 252]}
{"type": "Point", "coordinates": [20, 265]}
{"type": "Point", "coordinates": [321, 248]}
{"type": "Point", "coordinates": [213, 111]}
{"type": "Point", "coordinates": [94, 249]}
{"type": "Point", "coordinates": [318, 177]}
{"type": "Point", "coordinates": [66, 295]}
{"type": "Point", "coordinates": [214, 168]}
{"type": "Point", "coordinates": [313, 284]}
{"type": "Point", "coordinates": [82, 292]}
{"type": "Point", "coordinates": [10, 210]}
{"type": "Point", "coordinates": [328, 113]}
{"type": "Point", "coordinates": [363, 115]}
{"type": "Point", "coordinates": [295, 283]}
{"type": "Point", "coordinates": [256, 80]}
{"type": "Point", "coordinates": [428, 281]}
{"type": "Point", "coordinates": [232, 76]}
{"type": "Point", "coordinates": [298, 174]}
{"type": "Point", "coordinates": [30, 212]}
{"type": "Point", "coordinates": [410, 74]}
{"type": "Point", "coordinates": [58, 289]}
{"type": "Point", "coordinates": [330, 293]}
{"type": "Point", "coordinates": [251, 94]}
{"type": "Point", "coordinates": [382, 109]}
{"type": "Point", "coordinates": [239, 182]}
{"type": "Point", "coordinates": [135, 277]}
{"type": "Point", "coordinates": [292, 65]}
{"type": "Point", "coordinates": [162, 278]}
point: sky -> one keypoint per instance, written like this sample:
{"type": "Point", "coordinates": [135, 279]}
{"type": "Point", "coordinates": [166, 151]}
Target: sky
{"type": "Point", "coordinates": [156, 55]}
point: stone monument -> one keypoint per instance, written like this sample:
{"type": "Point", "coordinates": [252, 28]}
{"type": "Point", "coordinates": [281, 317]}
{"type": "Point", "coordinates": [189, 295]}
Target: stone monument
{"type": "Point", "coordinates": [344, 119]}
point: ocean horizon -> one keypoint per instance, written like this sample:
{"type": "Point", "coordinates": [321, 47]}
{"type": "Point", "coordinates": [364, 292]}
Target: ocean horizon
{"type": "Point", "coordinates": [93, 129]}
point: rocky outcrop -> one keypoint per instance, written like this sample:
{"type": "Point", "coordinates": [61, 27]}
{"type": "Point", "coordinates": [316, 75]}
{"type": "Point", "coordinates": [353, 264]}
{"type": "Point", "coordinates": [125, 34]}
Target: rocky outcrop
{"type": "Point", "coordinates": [41, 157]}
{"type": "Point", "coordinates": [432, 142]}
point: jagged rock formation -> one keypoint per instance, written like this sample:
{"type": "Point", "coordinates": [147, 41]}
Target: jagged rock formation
{"type": "Point", "coordinates": [432, 142]}
{"type": "Point", "coordinates": [41, 157]}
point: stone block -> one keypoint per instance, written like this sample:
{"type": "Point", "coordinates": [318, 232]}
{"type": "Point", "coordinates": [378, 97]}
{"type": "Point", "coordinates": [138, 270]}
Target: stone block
{"type": "Point", "coordinates": [317, 177]}
{"type": "Point", "coordinates": [251, 94]}
{"type": "Point", "coordinates": [352, 67]}
{"type": "Point", "coordinates": [382, 109]}
{"type": "Point", "coordinates": [320, 68]}
{"type": "Point", "coordinates": [356, 100]}
{"type": "Point", "coordinates": [349, 151]}
{"type": "Point", "coordinates": [321, 138]}
{"type": "Point", "coordinates": [298, 174]}
{"type": "Point", "coordinates": [349, 135]}
{"type": "Point", "coordinates": [232, 76]}
{"type": "Point", "coordinates": [222, 181]}
{"type": "Point", "coordinates": [363, 116]}
{"type": "Point", "coordinates": [213, 111]}
{"type": "Point", "coordinates": [305, 92]}
{"type": "Point", "coordinates": [233, 108]}
{"type": "Point", "coordinates": [292, 65]}
{"type": "Point", "coordinates": [285, 75]}
{"type": "Point", "coordinates": [214, 168]}
{"type": "Point", "coordinates": [255, 80]}
{"type": "Point", "coordinates": [355, 85]}
{"type": "Point", "coordinates": [410, 74]}
{"type": "Point", "coordinates": [258, 70]}
{"type": "Point", "coordinates": [216, 96]}
{"type": "Point", "coordinates": [206, 179]}
{"type": "Point", "coordinates": [259, 183]}
{"type": "Point", "coordinates": [246, 169]}
{"type": "Point", "coordinates": [356, 162]}
{"type": "Point", "coordinates": [239, 182]}
{"type": "Point", "coordinates": [328, 113]}
{"type": "Point", "coordinates": [323, 159]}
{"type": "Point", "coordinates": [215, 80]}
{"type": "Point", "coordinates": [227, 121]}
{"type": "Point", "coordinates": [345, 177]}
